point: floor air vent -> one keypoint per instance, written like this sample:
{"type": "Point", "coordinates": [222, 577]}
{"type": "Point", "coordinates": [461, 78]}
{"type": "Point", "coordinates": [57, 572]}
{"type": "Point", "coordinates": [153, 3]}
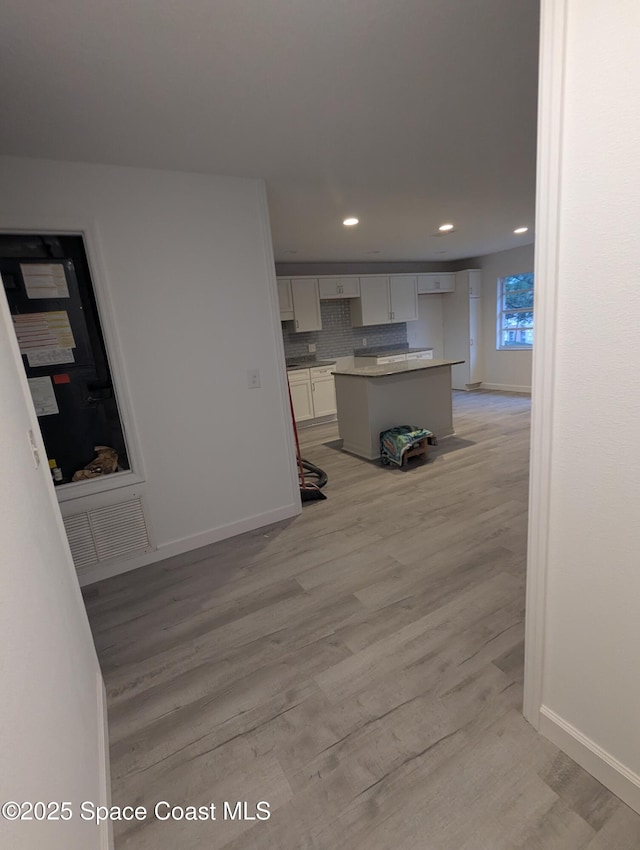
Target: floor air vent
{"type": "Point", "coordinates": [107, 533]}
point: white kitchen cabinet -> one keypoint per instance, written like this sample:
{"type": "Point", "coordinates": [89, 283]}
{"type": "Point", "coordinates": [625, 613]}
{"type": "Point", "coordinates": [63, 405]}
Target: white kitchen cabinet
{"type": "Point", "coordinates": [475, 284]}
{"type": "Point", "coordinates": [323, 390]}
{"type": "Point", "coordinates": [420, 355]}
{"type": "Point", "coordinates": [462, 330]}
{"type": "Point", "coordinates": [436, 282]}
{"type": "Point", "coordinates": [313, 392]}
{"type": "Point", "coordinates": [391, 358]}
{"type": "Point", "coordinates": [378, 359]}
{"type": "Point", "coordinates": [372, 308]}
{"type": "Point", "coordinates": [305, 296]}
{"type": "Point", "coordinates": [339, 287]}
{"type": "Point", "coordinates": [383, 359]}
{"type": "Point", "coordinates": [284, 299]}
{"type": "Point", "coordinates": [301, 396]}
{"type": "Point", "coordinates": [403, 298]}
{"type": "Point", "coordinates": [385, 300]}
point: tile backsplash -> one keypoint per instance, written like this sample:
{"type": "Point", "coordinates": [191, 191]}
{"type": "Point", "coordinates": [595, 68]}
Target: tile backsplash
{"type": "Point", "coordinates": [337, 338]}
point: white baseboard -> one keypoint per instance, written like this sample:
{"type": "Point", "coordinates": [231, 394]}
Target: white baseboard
{"type": "Point", "coordinates": [506, 388]}
{"type": "Point", "coordinates": [186, 544]}
{"type": "Point", "coordinates": [321, 420]}
{"type": "Point", "coordinates": [106, 828]}
{"type": "Point", "coordinates": [616, 776]}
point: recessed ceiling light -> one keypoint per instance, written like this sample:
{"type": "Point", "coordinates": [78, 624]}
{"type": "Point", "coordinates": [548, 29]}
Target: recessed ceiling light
{"type": "Point", "coordinates": [349, 222]}
{"type": "Point", "coordinates": [373, 252]}
{"type": "Point", "coordinates": [520, 230]}
{"type": "Point", "coordinates": [445, 227]}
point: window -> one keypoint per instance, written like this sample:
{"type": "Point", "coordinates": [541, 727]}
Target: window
{"type": "Point", "coordinates": [515, 312]}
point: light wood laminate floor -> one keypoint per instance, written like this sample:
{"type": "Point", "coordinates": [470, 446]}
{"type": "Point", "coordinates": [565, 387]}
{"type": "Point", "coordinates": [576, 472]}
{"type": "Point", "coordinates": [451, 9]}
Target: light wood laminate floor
{"type": "Point", "coordinates": [359, 668]}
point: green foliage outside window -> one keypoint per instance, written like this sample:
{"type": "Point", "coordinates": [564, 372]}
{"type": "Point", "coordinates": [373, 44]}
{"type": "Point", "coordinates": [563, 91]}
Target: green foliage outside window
{"type": "Point", "coordinates": [515, 311]}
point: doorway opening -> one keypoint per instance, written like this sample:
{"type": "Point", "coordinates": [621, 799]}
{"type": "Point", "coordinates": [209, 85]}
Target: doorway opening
{"type": "Point", "coordinates": [48, 286]}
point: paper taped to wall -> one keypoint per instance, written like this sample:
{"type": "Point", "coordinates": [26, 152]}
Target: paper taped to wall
{"type": "Point", "coordinates": [43, 395]}
{"type": "Point", "coordinates": [43, 330]}
{"type": "Point", "coordinates": [44, 280]}
{"type": "Point", "coordinates": [49, 356]}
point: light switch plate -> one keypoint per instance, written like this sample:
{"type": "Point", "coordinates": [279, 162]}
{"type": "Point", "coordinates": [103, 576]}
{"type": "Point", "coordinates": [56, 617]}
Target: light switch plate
{"type": "Point", "coordinates": [253, 378]}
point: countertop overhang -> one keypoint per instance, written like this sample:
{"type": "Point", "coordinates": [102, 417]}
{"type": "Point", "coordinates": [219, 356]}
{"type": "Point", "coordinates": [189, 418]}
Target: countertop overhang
{"type": "Point", "coordinates": [387, 369]}
{"type": "Point", "coordinates": [311, 364]}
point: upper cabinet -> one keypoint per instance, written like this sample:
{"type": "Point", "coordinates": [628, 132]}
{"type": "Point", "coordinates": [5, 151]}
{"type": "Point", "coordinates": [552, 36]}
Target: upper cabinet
{"type": "Point", "coordinates": [305, 296]}
{"type": "Point", "coordinates": [284, 299]}
{"type": "Point", "coordinates": [339, 287]}
{"type": "Point", "coordinates": [299, 301]}
{"type": "Point", "coordinates": [403, 298]}
{"type": "Point", "coordinates": [373, 307]}
{"type": "Point", "coordinates": [385, 300]}
{"type": "Point", "coordinates": [436, 282]}
{"type": "Point", "coordinates": [475, 283]}
{"type": "Point", "coordinates": [375, 299]}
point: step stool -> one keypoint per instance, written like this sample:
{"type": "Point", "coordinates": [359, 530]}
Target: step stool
{"type": "Point", "coordinates": [419, 449]}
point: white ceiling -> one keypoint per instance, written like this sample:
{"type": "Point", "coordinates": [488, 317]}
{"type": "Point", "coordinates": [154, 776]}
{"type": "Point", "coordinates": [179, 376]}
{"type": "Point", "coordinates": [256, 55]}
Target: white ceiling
{"type": "Point", "coordinates": [405, 113]}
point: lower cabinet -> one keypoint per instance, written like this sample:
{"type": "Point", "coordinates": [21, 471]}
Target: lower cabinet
{"type": "Point", "coordinates": [421, 355]}
{"type": "Point", "coordinates": [323, 391]}
{"type": "Point", "coordinates": [301, 398]}
{"type": "Point", "coordinates": [383, 359]}
{"type": "Point", "coordinates": [391, 358]}
{"type": "Point", "coordinates": [313, 392]}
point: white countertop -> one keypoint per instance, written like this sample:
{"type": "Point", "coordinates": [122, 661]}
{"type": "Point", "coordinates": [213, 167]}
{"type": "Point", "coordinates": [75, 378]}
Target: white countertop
{"type": "Point", "coordinates": [387, 369]}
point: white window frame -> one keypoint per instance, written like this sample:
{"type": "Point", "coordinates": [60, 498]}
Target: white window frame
{"type": "Point", "coordinates": [500, 311]}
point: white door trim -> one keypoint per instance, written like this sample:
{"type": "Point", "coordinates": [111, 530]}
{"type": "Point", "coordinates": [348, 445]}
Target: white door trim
{"type": "Point", "coordinates": [550, 127]}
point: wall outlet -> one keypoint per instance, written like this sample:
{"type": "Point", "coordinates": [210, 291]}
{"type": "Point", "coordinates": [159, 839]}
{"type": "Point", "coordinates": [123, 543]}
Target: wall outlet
{"type": "Point", "coordinates": [253, 378]}
{"type": "Point", "coordinates": [364, 342]}
{"type": "Point", "coordinates": [312, 348]}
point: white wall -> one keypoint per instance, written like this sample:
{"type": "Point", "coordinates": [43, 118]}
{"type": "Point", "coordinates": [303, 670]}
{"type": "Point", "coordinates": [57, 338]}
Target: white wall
{"type": "Point", "coordinates": [184, 264]}
{"type": "Point", "coordinates": [583, 651]}
{"type": "Point", "coordinates": [51, 735]}
{"type": "Point", "coordinates": [503, 370]}
{"type": "Point", "coordinates": [428, 330]}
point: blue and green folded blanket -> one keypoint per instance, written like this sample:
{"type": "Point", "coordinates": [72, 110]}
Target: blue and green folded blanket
{"type": "Point", "coordinates": [396, 441]}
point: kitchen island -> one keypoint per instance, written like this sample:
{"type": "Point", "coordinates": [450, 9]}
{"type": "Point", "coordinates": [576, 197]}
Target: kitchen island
{"type": "Point", "coordinates": [371, 399]}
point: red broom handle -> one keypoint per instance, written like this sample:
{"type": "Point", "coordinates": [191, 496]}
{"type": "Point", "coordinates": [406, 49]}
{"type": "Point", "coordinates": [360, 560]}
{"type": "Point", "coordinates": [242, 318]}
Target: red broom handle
{"type": "Point", "coordinates": [295, 434]}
